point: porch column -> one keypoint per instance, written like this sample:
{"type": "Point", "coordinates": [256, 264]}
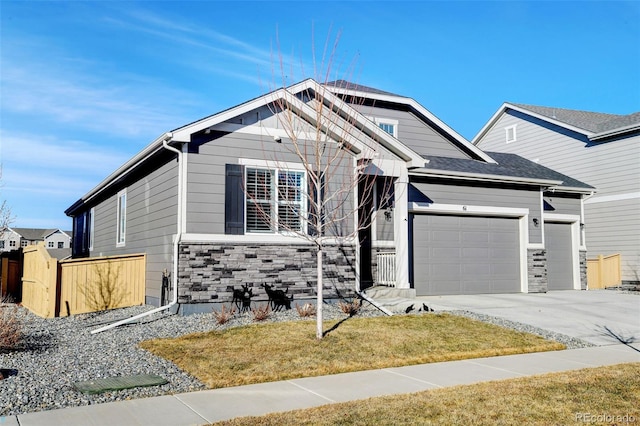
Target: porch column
{"type": "Point", "coordinates": [401, 228]}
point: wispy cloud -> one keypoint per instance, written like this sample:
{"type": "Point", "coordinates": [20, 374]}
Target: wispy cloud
{"type": "Point", "coordinates": [67, 96]}
{"type": "Point", "coordinates": [214, 51]}
{"type": "Point", "coordinates": [33, 163]}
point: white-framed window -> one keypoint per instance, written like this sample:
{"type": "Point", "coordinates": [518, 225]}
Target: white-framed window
{"type": "Point", "coordinates": [510, 133]}
{"type": "Point", "coordinates": [51, 244]}
{"type": "Point", "coordinates": [12, 243]}
{"type": "Point", "coordinates": [275, 200]}
{"type": "Point", "coordinates": [387, 124]}
{"type": "Point", "coordinates": [24, 243]}
{"type": "Point", "coordinates": [92, 215]}
{"type": "Point", "coordinates": [121, 220]}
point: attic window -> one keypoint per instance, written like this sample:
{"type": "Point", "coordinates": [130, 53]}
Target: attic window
{"type": "Point", "coordinates": [510, 133]}
{"type": "Point", "coordinates": [388, 125]}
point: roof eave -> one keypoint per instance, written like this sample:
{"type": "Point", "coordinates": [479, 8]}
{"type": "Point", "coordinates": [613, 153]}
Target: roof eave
{"type": "Point", "coordinates": [615, 132]}
{"type": "Point", "coordinates": [573, 189]}
{"type": "Point", "coordinates": [492, 121]}
{"type": "Point", "coordinates": [485, 177]}
{"type": "Point", "coordinates": [422, 110]}
{"type": "Point", "coordinates": [139, 158]}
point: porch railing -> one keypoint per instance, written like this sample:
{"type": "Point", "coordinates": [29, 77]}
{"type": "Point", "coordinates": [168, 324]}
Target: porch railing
{"type": "Point", "coordinates": [386, 270]}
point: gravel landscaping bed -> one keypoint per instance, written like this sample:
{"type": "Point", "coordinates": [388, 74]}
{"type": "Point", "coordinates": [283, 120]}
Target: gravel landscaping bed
{"type": "Point", "coordinates": [56, 353]}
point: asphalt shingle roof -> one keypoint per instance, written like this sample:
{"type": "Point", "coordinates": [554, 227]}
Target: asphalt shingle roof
{"type": "Point", "coordinates": [347, 85]}
{"type": "Point", "coordinates": [511, 165]}
{"type": "Point", "coordinates": [33, 234]}
{"type": "Point", "coordinates": [595, 122]}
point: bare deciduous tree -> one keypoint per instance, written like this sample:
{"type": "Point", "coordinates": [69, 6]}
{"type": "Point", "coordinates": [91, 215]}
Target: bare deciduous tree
{"type": "Point", "coordinates": [326, 197]}
{"type": "Point", "coordinates": [106, 290]}
{"type": "Point", "coordinates": [5, 213]}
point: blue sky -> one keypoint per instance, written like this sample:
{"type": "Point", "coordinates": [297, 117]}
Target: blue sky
{"type": "Point", "coordinates": [87, 85]}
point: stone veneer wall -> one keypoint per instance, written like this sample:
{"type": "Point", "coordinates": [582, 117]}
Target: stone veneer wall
{"type": "Point", "coordinates": [209, 272]}
{"type": "Point", "coordinates": [537, 269]}
{"type": "Point", "coordinates": [583, 270]}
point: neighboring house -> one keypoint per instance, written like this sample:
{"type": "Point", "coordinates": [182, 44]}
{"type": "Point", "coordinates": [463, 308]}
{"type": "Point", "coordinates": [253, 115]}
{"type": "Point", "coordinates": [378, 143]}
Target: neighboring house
{"type": "Point", "coordinates": [600, 149]}
{"type": "Point", "coordinates": [56, 241]}
{"type": "Point", "coordinates": [461, 220]}
{"type": "Point", "coordinates": [9, 240]}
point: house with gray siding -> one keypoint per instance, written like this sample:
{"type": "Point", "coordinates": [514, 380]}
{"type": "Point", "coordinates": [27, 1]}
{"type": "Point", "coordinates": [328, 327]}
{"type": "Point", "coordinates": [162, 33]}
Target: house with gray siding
{"type": "Point", "coordinates": [600, 149]}
{"type": "Point", "coordinates": [457, 220]}
{"type": "Point", "coordinates": [58, 242]}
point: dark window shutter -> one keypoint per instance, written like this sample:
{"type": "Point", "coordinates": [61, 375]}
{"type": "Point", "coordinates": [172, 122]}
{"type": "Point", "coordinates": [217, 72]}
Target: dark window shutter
{"type": "Point", "coordinates": [234, 199]}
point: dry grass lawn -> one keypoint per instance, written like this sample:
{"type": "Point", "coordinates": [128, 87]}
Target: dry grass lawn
{"type": "Point", "coordinates": [279, 351]}
{"type": "Point", "coordinates": [603, 396]}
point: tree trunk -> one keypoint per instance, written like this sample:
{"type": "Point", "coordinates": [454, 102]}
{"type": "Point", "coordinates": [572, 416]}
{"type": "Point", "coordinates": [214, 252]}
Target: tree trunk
{"type": "Point", "coordinates": [319, 299]}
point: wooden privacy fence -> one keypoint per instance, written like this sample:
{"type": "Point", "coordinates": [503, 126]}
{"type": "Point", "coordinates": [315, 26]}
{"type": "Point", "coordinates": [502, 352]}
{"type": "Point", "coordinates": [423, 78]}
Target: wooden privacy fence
{"type": "Point", "coordinates": [10, 277]}
{"type": "Point", "coordinates": [605, 271]}
{"type": "Point", "coordinates": [51, 288]}
{"type": "Point", "coordinates": [39, 281]}
{"type": "Point", "coordinates": [90, 285]}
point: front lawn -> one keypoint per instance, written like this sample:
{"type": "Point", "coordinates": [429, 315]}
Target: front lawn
{"type": "Point", "coordinates": [280, 351]}
{"type": "Point", "coordinates": [603, 396]}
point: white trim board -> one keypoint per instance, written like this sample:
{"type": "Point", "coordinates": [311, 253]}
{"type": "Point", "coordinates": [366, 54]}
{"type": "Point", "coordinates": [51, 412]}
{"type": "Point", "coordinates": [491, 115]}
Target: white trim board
{"type": "Point", "coordinates": [259, 238]}
{"type": "Point", "coordinates": [467, 210]}
{"type": "Point", "coordinates": [615, 197]}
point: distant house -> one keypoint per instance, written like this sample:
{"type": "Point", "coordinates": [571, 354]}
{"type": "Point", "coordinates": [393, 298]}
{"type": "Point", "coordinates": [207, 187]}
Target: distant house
{"type": "Point", "coordinates": [9, 240]}
{"type": "Point", "coordinates": [56, 241]}
{"type": "Point", "coordinates": [600, 149]}
{"type": "Point", "coordinates": [461, 220]}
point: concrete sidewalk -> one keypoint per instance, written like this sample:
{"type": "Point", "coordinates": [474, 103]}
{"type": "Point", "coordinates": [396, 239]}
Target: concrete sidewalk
{"type": "Point", "coordinates": [203, 407]}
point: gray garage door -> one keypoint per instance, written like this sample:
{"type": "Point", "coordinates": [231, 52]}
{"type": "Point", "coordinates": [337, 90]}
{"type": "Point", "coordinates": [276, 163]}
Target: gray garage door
{"type": "Point", "coordinates": [557, 237]}
{"type": "Point", "coordinates": [465, 255]}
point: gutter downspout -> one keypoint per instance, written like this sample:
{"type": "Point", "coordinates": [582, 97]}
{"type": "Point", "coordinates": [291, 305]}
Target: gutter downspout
{"type": "Point", "coordinates": [176, 244]}
{"type": "Point", "coordinates": [374, 303]}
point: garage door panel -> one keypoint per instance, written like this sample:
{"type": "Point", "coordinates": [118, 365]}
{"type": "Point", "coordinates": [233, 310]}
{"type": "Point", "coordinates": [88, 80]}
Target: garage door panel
{"type": "Point", "coordinates": [502, 255]}
{"type": "Point", "coordinates": [445, 253]}
{"type": "Point", "coordinates": [465, 255]}
{"type": "Point", "coordinates": [502, 286]}
{"type": "Point", "coordinates": [475, 253]}
{"type": "Point", "coordinates": [475, 237]}
{"type": "Point", "coordinates": [445, 271]}
{"type": "Point", "coordinates": [478, 269]}
{"type": "Point", "coordinates": [501, 238]}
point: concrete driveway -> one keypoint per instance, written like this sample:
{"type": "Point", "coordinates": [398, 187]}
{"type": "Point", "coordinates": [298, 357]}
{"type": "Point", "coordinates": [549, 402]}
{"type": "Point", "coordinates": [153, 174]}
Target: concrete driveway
{"type": "Point", "coordinates": [600, 317]}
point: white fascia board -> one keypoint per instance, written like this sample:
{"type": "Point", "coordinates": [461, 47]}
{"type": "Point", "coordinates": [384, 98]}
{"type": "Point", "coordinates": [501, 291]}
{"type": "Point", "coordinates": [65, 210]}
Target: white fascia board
{"type": "Point", "coordinates": [571, 190]}
{"type": "Point", "coordinates": [506, 106]}
{"type": "Point", "coordinates": [422, 110]}
{"type": "Point", "coordinates": [184, 133]}
{"type": "Point", "coordinates": [139, 158]}
{"type": "Point", "coordinates": [489, 124]}
{"type": "Point", "coordinates": [368, 127]}
{"type": "Point", "coordinates": [484, 177]}
{"type": "Point", "coordinates": [615, 132]}
{"type": "Point", "coordinates": [459, 209]}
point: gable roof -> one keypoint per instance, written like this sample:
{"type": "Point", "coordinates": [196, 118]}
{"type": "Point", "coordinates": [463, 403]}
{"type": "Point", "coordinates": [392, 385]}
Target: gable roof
{"type": "Point", "coordinates": [34, 234]}
{"type": "Point", "coordinates": [509, 167]}
{"type": "Point", "coordinates": [356, 90]}
{"type": "Point", "coordinates": [347, 85]}
{"type": "Point", "coordinates": [287, 97]}
{"type": "Point", "coordinates": [594, 125]}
